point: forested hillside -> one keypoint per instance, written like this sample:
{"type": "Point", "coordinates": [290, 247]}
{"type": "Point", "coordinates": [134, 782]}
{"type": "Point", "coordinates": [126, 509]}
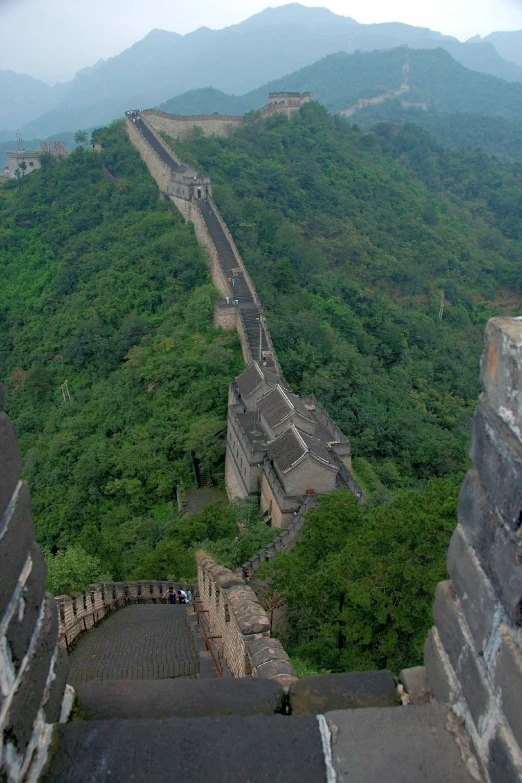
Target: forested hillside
{"type": "Point", "coordinates": [351, 240]}
{"type": "Point", "coordinates": [351, 250]}
{"type": "Point", "coordinates": [494, 135]}
{"type": "Point", "coordinates": [103, 285]}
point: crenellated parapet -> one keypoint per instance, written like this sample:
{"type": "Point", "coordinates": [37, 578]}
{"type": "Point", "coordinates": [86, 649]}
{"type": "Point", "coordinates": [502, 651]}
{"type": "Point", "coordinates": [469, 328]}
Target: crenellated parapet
{"type": "Point", "coordinates": [473, 654]}
{"type": "Point", "coordinates": [240, 625]}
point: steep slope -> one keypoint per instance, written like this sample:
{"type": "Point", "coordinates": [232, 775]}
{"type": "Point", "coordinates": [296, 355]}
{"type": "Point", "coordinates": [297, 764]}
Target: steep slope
{"type": "Point", "coordinates": [237, 59]}
{"type": "Point", "coordinates": [508, 44]}
{"type": "Point", "coordinates": [103, 285]}
{"type": "Point", "coordinates": [350, 247]}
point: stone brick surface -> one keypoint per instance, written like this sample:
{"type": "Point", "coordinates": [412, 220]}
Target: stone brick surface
{"type": "Point", "coordinates": [348, 690]}
{"type": "Point", "coordinates": [439, 678]}
{"type": "Point", "coordinates": [10, 461]}
{"type": "Point", "coordinates": [501, 370]}
{"type": "Point", "coordinates": [507, 677]}
{"type": "Point", "coordinates": [228, 749]}
{"type": "Point", "coordinates": [137, 642]}
{"type": "Point", "coordinates": [477, 599]}
{"type": "Point", "coordinates": [21, 625]}
{"type": "Point", "coordinates": [158, 699]}
{"type": "Point", "coordinates": [502, 767]}
{"type": "Point", "coordinates": [462, 656]}
{"type": "Point", "coordinates": [499, 550]}
{"type": "Point", "coordinates": [16, 537]}
{"type": "Point", "coordinates": [401, 745]}
{"type": "Point", "coordinates": [497, 455]}
{"type": "Point", "coordinates": [53, 704]}
{"type": "Point", "coordinates": [416, 684]}
{"type": "Point", "coordinates": [27, 698]}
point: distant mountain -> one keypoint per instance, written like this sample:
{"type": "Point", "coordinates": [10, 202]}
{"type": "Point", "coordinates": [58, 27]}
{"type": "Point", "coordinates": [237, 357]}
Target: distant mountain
{"type": "Point", "coordinates": [431, 78]}
{"type": "Point", "coordinates": [236, 60]}
{"type": "Point", "coordinates": [460, 107]}
{"type": "Point", "coordinates": [508, 44]}
{"type": "Point", "coordinates": [23, 98]}
{"type": "Point", "coordinates": [205, 101]}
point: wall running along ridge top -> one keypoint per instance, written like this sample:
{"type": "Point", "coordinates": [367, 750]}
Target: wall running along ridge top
{"type": "Point", "coordinates": [473, 654]}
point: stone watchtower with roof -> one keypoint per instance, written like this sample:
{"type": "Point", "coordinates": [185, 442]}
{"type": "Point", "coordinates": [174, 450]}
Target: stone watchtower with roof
{"type": "Point", "coordinates": [281, 448]}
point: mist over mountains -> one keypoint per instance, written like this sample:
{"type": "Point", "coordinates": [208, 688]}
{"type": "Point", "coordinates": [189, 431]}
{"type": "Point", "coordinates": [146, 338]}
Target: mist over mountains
{"type": "Point", "coordinates": [234, 60]}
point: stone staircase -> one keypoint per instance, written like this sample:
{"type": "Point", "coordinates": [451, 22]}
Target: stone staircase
{"type": "Point", "coordinates": [234, 730]}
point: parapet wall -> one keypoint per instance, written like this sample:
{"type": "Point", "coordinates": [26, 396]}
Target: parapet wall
{"type": "Point", "coordinates": [82, 610]}
{"type": "Point", "coordinates": [473, 654]}
{"type": "Point", "coordinates": [33, 669]}
{"type": "Point", "coordinates": [178, 126]}
{"type": "Point", "coordinates": [240, 625]}
{"type": "Point", "coordinates": [157, 168]}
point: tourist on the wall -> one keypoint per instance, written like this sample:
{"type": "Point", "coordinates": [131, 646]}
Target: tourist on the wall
{"type": "Point", "coordinates": [170, 595]}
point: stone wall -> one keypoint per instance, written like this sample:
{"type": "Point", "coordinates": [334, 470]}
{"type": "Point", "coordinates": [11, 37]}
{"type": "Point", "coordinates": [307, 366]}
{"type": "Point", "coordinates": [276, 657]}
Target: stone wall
{"type": "Point", "coordinates": [473, 654]}
{"type": "Point", "coordinates": [178, 126]}
{"type": "Point", "coordinates": [157, 168]}
{"type": "Point", "coordinates": [286, 540]}
{"type": "Point", "coordinates": [32, 666]}
{"type": "Point", "coordinates": [241, 625]}
{"type": "Point", "coordinates": [82, 610]}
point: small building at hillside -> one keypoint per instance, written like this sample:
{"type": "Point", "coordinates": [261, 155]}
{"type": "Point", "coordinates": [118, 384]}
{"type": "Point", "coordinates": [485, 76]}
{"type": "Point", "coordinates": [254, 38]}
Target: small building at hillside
{"type": "Point", "coordinates": [26, 161]}
{"type": "Point", "coordinates": [281, 448]}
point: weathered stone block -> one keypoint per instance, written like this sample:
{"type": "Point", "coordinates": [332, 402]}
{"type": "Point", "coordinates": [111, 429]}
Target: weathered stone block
{"type": "Point", "coordinates": [10, 462]}
{"type": "Point", "coordinates": [28, 697]}
{"type": "Point", "coordinates": [225, 749]}
{"type": "Point", "coordinates": [463, 658]}
{"type": "Point", "coordinates": [401, 745]}
{"type": "Point", "coordinates": [497, 455]}
{"type": "Point", "coordinates": [53, 704]}
{"type": "Point", "coordinates": [266, 649]}
{"type": "Point", "coordinates": [21, 626]}
{"type": "Point", "coordinates": [160, 699]}
{"type": "Point", "coordinates": [507, 677]}
{"type": "Point", "coordinates": [16, 537]}
{"type": "Point", "coordinates": [477, 599]}
{"type": "Point", "coordinates": [416, 684]}
{"type": "Point", "coordinates": [440, 678]}
{"type": "Point", "coordinates": [270, 669]}
{"type": "Point", "coordinates": [498, 549]}
{"type": "Point", "coordinates": [501, 370]}
{"type": "Point", "coordinates": [348, 690]}
{"type": "Point", "coordinates": [502, 766]}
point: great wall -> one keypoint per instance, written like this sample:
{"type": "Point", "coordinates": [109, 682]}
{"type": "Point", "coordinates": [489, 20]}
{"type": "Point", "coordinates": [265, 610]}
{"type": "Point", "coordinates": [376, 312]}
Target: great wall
{"type": "Point", "coordinates": [247, 716]}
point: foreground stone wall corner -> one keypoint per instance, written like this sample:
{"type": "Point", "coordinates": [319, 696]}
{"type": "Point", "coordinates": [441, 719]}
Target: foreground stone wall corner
{"type": "Point", "coordinates": [236, 616]}
{"type": "Point", "coordinates": [473, 655]}
{"type": "Point", "coordinates": [33, 668]}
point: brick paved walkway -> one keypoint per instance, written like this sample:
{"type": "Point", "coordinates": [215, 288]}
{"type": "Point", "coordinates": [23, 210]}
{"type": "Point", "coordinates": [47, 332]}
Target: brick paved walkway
{"type": "Point", "coordinates": [141, 642]}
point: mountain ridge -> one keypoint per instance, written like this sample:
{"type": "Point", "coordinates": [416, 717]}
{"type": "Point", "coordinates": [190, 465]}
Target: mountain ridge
{"type": "Point", "coordinates": [236, 59]}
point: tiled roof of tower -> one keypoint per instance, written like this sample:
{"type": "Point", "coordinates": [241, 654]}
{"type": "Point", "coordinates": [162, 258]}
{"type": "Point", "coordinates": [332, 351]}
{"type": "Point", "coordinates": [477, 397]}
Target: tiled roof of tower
{"type": "Point", "coordinates": [292, 445]}
{"type": "Point", "coordinates": [279, 403]}
{"type": "Point", "coordinates": [251, 378]}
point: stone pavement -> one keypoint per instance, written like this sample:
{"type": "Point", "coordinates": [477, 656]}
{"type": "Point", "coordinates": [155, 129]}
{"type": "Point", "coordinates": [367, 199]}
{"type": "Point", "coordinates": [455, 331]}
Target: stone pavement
{"type": "Point", "coordinates": [140, 642]}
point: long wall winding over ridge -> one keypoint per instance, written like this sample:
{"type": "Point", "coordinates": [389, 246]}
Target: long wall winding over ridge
{"type": "Point", "coordinates": [281, 461]}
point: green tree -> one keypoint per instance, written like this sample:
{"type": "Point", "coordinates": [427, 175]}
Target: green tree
{"type": "Point", "coordinates": [71, 569]}
{"type": "Point", "coordinates": [81, 137]}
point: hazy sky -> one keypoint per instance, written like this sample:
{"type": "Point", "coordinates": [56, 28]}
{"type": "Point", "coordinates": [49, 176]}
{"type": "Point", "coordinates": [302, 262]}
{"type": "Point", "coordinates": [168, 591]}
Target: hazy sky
{"type": "Point", "coordinates": [52, 39]}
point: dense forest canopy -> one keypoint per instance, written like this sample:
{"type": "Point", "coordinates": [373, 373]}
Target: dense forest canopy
{"type": "Point", "coordinates": [104, 286]}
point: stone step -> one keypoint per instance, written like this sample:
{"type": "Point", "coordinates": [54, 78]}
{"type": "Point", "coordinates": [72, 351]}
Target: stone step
{"type": "Point", "coordinates": [157, 699]}
{"type": "Point", "coordinates": [414, 744]}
